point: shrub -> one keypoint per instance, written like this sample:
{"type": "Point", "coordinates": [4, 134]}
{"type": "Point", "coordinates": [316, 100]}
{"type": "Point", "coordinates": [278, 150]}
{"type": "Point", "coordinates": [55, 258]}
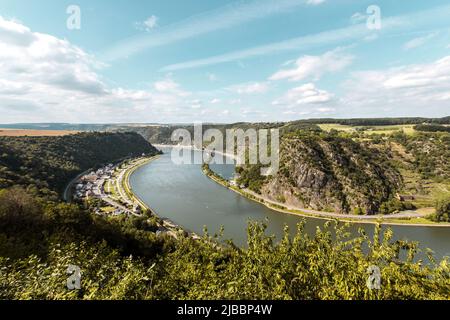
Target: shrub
{"type": "Point", "coordinates": [442, 213]}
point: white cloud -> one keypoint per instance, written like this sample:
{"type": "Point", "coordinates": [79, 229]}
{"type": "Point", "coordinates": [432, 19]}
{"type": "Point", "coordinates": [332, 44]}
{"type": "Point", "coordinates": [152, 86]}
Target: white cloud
{"type": "Point", "coordinates": [415, 89]}
{"type": "Point", "coordinates": [167, 85]}
{"type": "Point", "coordinates": [358, 18]}
{"type": "Point", "coordinates": [419, 76]}
{"type": "Point", "coordinates": [151, 22]}
{"type": "Point", "coordinates": [371, 37]}
{"type": "Point", "coordinates": [43, 78]}
{"type": "Point", "coordinates": [326, 38]}
{"type": "Point", "coordinates": [296, 44]}
{"type": "Point", "coordinates": [315, 2]}
{"type": "Point", "coordinates": [419, 41]}
{"type": "Point", "coordinates": [215, 101]}
{"type": "Point", "coordinates": [228, 16]}
{"type": "Point", "coordinates": [315, 66]}
{"type": "Point", "coordinates": [212, 77]}
{"type": "Point", "coordinates": [147, 25]}
{"type": "Point", "coordinates": [306, 94]}
{"type": "Point", "coordinates": [252, 112]}
{"type": "Point", "coordinates": [250, 88]}
{"type": "Point", "coordinates": [326, 110]}
{"type": "Point", "coordinates": [30, 59]}
{"type": "Point", "coordinates": [196, 104]}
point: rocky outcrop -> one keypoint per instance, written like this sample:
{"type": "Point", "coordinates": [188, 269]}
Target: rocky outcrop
{"type": "Point", "coordinates": [331, 173]}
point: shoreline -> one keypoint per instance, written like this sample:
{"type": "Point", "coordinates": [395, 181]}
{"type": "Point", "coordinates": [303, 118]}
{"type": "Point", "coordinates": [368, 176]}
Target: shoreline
{"type": "Point", "coordinates": [126, 182]}
{"type": "Point", "coordinates": [371, 221]}
{"type": "Point", "coordinates": [172, 226]}
{"type": "Point", "coordinates": [224, 154]}
{"type": "Point", "coordinates": [273, 206]}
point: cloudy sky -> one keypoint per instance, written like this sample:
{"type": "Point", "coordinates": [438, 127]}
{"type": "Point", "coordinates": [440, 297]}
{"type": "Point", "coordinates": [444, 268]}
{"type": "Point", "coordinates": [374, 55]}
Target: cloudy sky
{"type": "Point", "coordinates": [222, 61]}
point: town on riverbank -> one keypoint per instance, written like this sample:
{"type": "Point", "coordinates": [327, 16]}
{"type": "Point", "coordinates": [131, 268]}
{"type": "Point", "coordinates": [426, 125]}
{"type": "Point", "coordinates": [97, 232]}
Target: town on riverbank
{"type": "Point", "coordinates": [107, 191]}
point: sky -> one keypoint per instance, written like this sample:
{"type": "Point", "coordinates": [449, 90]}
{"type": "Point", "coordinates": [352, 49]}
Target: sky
{"type": "Point", "coordinates": [171, 61]}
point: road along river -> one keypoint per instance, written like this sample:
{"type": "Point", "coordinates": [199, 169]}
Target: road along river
{"type": "Point", "coordinates": [186, 196]}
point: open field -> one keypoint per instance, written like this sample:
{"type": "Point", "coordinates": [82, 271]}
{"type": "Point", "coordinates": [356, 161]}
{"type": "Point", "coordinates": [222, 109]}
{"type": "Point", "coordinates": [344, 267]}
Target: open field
{"type": "Point", "coordinates": [426, 191]}
{"type": "Point", "coordinates": [407, 129]}
{"type": "Point", "coordinates": [34, 133]}
{"type": "Point", "coordinates": [334, 126]}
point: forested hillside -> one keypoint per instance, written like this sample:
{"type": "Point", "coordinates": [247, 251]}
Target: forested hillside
{"type": "Point", "coordinates": [328, 172]}
{"type": "Point", "coordinates": [46, 164]}
{"type": "Point", "coordinates": [429, 153]}
{"type": "Point", "coordinates": [161, 134]}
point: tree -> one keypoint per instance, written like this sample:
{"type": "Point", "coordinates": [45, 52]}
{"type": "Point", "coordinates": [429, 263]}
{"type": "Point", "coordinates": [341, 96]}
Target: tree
{"type": "Point", "coordinates": [442, 210]}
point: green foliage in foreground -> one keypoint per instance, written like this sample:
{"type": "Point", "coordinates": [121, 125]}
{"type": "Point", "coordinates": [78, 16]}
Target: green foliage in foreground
{"type": "Point", "coordinates": [125, 259]}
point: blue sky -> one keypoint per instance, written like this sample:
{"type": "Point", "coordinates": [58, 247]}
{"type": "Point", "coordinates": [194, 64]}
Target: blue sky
{"type": "Point", "coordinates": [222, 61]}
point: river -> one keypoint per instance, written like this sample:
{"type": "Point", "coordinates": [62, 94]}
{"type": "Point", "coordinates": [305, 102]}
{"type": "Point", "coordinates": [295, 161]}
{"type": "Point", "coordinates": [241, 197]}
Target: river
{"type": "Point", "coordinates": [186, 196]}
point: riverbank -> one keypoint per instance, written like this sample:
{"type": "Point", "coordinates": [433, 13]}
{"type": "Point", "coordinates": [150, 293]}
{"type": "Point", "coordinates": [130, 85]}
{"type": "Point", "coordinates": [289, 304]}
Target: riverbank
{"type": "Point", "coordinates": [413, 218]}
{"type": "Point", "coordinates": [223, 154]}
{"type": "Point", "coordinates": [124, 186]}
{"type": "Point", "coordinates": [124, 182]}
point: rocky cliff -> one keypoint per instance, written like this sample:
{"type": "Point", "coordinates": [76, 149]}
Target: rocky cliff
{"type": "Point", "coordinates": [331, 173]}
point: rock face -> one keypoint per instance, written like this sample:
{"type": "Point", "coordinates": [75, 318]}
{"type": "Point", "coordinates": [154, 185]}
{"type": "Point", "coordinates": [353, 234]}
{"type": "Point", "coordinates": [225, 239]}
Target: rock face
{"type": "Point", "coordinates": [330, 173]}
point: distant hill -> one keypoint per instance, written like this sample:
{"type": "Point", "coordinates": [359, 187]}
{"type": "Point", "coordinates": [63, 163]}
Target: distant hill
{"type": "Point", "coordinates": [161, 133]}
{"type": "Point", "coordinates": [48, 163]}
{"type": "Point", "coordinates": [378, 121]}
{"type": "Point", "coordinates": [68, 126]}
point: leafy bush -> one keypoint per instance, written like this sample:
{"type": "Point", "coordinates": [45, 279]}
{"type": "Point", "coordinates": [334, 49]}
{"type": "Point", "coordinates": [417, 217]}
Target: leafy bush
{"type": "Point", "coordinates": [251, 177]}
{"type": "Point", "coordinates": [442, 213]}
{"type": "Point", "coordinates": [329, 265]}
{"type": "Point", "coordinates": [395, 205]}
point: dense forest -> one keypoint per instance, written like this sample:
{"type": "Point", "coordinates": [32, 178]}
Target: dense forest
{"type": "Point", "coordinates": [46, 164]}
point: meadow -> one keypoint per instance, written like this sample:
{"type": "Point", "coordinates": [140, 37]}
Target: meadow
{"type": "Point", "coordinates": [34, 133]}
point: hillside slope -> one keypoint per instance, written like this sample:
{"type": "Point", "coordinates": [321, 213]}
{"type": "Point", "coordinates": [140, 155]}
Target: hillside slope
{"type": "Point", "coordinates": [48, 163]}
{"type": "Point", "coordinates": [330, 173]}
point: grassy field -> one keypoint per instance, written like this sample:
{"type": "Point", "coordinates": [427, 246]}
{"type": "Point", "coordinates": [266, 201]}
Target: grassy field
{"type": "Point", "coordinates": [110, 188]}
{"type": "Point", "coordinates": [108, 209]}
{"type": "Point", "coordinates": [407, 129]}
{"type": "Point", "coordinates": [334, 126]}
{"type": "Point", "coordinates": [34, 133]}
